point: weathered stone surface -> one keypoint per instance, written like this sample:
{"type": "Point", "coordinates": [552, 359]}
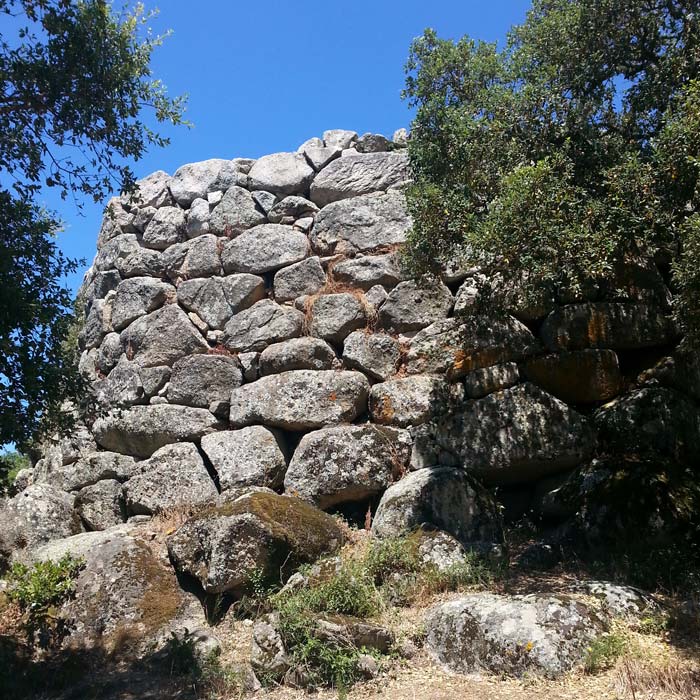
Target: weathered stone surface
{"type": "Point", "coordinates": [335, 316]}
{"type": "Point", "coordinates": [516, 435]}
{"type": "Point", "coordinates": [444, 498]}
{"type": "Point", "coordinates": [606, 325]}
{"type": "Point", "coordinates": [301, 399]}
{"type": "Point", "coordinates": [124, 591]}
{"type": "Point", "coordinates": [439, 549]}
{"type": "Point", "coordinates": [346, 463]}
{"type": "Point", "coordinates": [101, 505]}
{"type": "Point", "coordinates": [236, 212]}
{"type": "Point", "coordinates": [264, 323]}
{"type": "Point", "coordinates": [365, 271]}
{"type": "Point", "coordinates": [115, 222]}
{"type": "Point", "coordinates": [109, 353]}
{"type": "Point", "coordinates": [372, 143]}
{"type": "Point", "coordinates": [482, 382]}
{"type": "Point", "coordinates": [110, 252]}
{"type": "Point", "coordinates": [359, 174]}
{"type": "Point", "coordinates": [264, 248]}
{"type": "Point", "coordinates": [265, 200]}
{"type": "Point", "coordinates": [198, 257]}
{"type": "Point", "coordinates": [281, 173]}
{"type": "Point", "coordinates": [267, 652]}
{"type": "Point", "coordinates": [140, 262]}
{"type": "Point", "coordinates": [174, 475]}
{"type": "Point", "coordinates": [292, 207]}
{"type": "Point", "coordinates": [456, 346]}
{"type": "Point", "coordinates": [375, 354]}
{"type": "Point", "coordinates": [361, 224]}
{"type": "Point", "coordinates": [202, 380]}
{"type": "Point", "coordinates": [413, 400]}
{"type": "Point", "coordinates": [151, 191]}
{"type": "Point", "coordinates": [198, 218]}
{"type": "Point", "coordinates": [319, 156]}
{"type": "Point", "coordinates": [90, 469]}
{"type": "Point", "coordinates": [141, 430]}
{"type": "Point", "coordinates": [123, 386]}
{"type": "Point", "coordinates": [297, 353]}
{"type": "Point", "coordinates": [412, 306]}
{"type": "Point", "coordinates": [652, 420]}
{"type": "Point", "coordinates": [196, 180]}
{"type": "Point", "coordinates": [162, 337]}
{"type": "Point", "coordinates": [511, 635]}
{"type": "Point", "coordinates": [305, 277]}
{"type": "Point", "coordinates": [216, 299]}
{"type": "Point", "coordinates": [583, 376]}
{"type": "Point", "coordinates": [38, 514]}
{"type": "Point", "coordinates": [97, 324]}
{"type": "Point", "coordinates": [167, 226]}
{"type": "Point", "coordinates": [261, 532]}
{"type": "Point", "coordinates": [253, 456]}
{"type": "Point", "coordinates": [105, 282]}
{"type": "Point", "coordinates": [339, 138]}
{"type": "Point", "coordinates": [136, 297]}
{"type": "Point", "coordinates": [680, 371]}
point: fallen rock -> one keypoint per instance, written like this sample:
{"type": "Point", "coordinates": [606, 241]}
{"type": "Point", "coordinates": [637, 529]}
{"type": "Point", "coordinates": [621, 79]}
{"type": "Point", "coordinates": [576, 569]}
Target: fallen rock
{"type": "Point", "coordinates": [361, 224]}
{"type": "Point", "coordinates": [258, 532]}
{"type": "Point", "coordinates": [264, 248]}
{"type": "Point", "coordinates": [141, 430]}
{"type": "Point", "coordinates": [346, 463]}
{"type": "Point", "coordinates": [512, 635]}
{"type": "Point", "coordinates": [174, 475]}
{"type": "Point", "coordinates": [444, 498]}
{"type": "Point", "coordinates": [297, 353]}
{"type": "Point", "coordinates": [412, 306]}
{"type": "Point", "coordinates": [359, 174]}
{"type": "Point", "coordinates": [300, 399]}
{"type": "Point", "coordinates": [516, 435]}
{"type": "Point", "coordinates": [413, 400]}
{"type": "Point", "coordinates": [375, 354]}
{"type": "Point", "coordinates": [253, 456]}
{"type": "Point", "coordinates": [456, 346]}
{"type": "Point", "coordinates": [584, 376]}
{"type": "Point", "coordinates": [606, 325]}
{"type": "Point", "coordinates": [262, 324]}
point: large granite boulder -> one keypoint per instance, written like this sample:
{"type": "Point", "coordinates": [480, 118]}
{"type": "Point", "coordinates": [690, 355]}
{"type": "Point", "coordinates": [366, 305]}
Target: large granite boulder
{"type": "Point", "coordinates": [91, 468]}
{"type": "Point", "coordinates": [174, 475]}
{"type": "Point", "coordinates": [236, 212]}
{"type": "Point", "coordinates": [141, 430]}
{"type": "Point", "coordinates": [335, 316]}
{"type": "Point", "coordinates": [136, 297]}
{"type": "Point", "coordinates": [168, 226]}
{"type": "Point", "coordinates": [300, 279]}
{"type": "Point", "coordinates": [652, 420]}
{"type": "Point", "coordinates": [252, 456]}
{"type": "Point", "coordinates": [515, 435]}
{"type": "Point", "coordinates": [616, 326]}
{"type": "Point", "coordinates": [198, 257]}
{"type": "Point", "coordinates": [364, 271]}
{"type": "Point", "coordinates": [456, 346]}
{"type": "Point", "coordinates": [375, 354]}
{"type": "Point", "coordinates": [264, 248]}
{"type": "Point", "coordinates": [162, 337]}
{"type": "Point", "coordinates": [204, 381]}
{"type": "Point", "coordinates": [361, 224]}
{"type": "Point", "coordinates": [300, 399]}
{"type": "Point", "coordinates": [296, 353]}
{"type": "Point", "coordinates": [440, 498]}
{"type": "Point", "coordinates": [413, 400]}
{"type": "Point", "coordinates": [216, 299]}
{"type": "Point", "coordinates": [196, 180]}
{"type": "Point", "coordinates": [101, 505]}
{"type": "Point", "coordinates": [354, 175]}
{"type": "Point", "coordinates": [511, 635]}
{"type": "Point", "coordinates": [346, 463]}
{"type": "Point", "coordinates": [412, 306]}
{"type": "Point", "coordinates": [262, 324]}
{"type": "Point", "coordinates": [680, 371]}
{"type": "Point", "coordinates": [258, 533]}
{"type": "Point", "coordinates": [281, 173]}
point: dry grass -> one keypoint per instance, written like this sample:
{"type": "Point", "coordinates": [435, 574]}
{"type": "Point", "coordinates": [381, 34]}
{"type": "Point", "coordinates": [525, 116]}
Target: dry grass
{"type": "Point", "coordinates": [168, 521]}
{"type": "Point", "coordinates": [649, 679]}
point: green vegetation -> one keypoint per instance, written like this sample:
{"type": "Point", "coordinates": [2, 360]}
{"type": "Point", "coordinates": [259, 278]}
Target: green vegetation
{"type": "Point", "coordinates": [10, 465]}
{"type": "Point", "coordinates": [604, 651]}
{"type": "Point", "coordinates": [39, 590]}
{"type": "Point", "coordinates": [76, 82]}
{"type": "Point", "coordinates": [572, 151]}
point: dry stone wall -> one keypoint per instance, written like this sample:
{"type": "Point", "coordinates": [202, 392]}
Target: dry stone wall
{"type": "Point", "coordinates": [249, 325]}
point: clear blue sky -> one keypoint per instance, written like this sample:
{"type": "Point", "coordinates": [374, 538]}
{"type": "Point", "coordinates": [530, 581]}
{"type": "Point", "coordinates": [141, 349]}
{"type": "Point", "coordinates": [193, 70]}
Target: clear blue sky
{"type": "Point", "coordinates": [265, 76]}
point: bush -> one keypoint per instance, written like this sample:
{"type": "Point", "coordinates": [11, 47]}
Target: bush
{"type": "Point", "coordinates": [10, 465]}
{"type": "Point", "coordinates": [39, 591]}
{"type": "Point", "coordinates": [604, 651]}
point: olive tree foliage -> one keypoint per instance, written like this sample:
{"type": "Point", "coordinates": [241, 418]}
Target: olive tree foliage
{"type": "Point", "coordinates": [572, 150]}
{"type": "Point", "coordinates": [75, 84]}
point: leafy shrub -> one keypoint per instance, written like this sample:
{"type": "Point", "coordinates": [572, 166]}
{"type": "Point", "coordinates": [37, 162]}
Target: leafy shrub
{"type": "Point", "coordinates": [10, 465]}
{"type": "Point", "coordinates": [604, 651]}
{"type": "Point", "coordinates": [39, 591]}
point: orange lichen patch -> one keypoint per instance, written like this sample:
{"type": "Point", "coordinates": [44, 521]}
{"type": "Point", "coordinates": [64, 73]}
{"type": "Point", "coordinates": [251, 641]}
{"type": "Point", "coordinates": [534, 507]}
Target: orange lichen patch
{"type": "Point", "coordinates": [597, 328]}
{"type": "Point", "coordinates": [333, 396]}
{"type": "Point", "coordinates": [464, 362]}
{"type": "Point", "coordinates": [383, 410]}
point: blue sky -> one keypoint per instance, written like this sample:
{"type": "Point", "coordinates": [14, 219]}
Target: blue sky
{"type": "Point", "coordinates": [263, 77]}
